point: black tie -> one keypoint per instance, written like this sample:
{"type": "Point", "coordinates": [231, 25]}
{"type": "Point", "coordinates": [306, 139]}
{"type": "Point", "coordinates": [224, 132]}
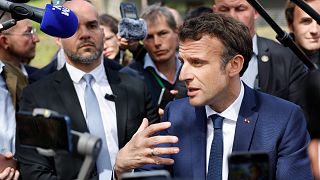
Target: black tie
{"type": "Point", "coordinates": [216, 152]}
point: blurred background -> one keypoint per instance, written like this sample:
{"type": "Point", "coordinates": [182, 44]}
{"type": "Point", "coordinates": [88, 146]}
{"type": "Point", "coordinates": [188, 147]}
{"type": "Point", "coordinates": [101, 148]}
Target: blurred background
{"type": "Point", "coordinates": [47, 47]}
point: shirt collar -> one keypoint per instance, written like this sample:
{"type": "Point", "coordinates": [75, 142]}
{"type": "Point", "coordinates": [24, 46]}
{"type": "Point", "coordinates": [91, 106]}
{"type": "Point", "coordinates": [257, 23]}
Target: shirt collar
{"type": "Point", "coordinates": [149, 63]}
{"type": "Point", "coordinates": [1, 66]}
{"type": "Point", "coordinates": [232, 111]}
{"type": "Point", "coordinates": [255, 45]}
{"type": "Point", "coordinates": [76, 74]}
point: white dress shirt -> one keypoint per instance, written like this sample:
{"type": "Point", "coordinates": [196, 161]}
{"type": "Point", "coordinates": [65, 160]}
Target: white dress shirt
{"type": "Point", "coordinates": [230, 116]}
{"type": "Point", "coordinates": [7, 118]}
{"type": "Point", "coordinates": [250, 75]}
{"type": "Point", "coordinates": [24, 70]}
{"type": "Point", "coordinates": [101, 87]}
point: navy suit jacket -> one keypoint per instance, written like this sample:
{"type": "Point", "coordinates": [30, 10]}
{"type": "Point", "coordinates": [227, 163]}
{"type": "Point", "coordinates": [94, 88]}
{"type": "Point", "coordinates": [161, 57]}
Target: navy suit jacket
{"type": "Point", "coordinates": [276, 126]}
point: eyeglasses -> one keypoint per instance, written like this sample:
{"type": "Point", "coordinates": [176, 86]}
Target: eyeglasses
{"type": "Point", "coordinates": [30, 32]}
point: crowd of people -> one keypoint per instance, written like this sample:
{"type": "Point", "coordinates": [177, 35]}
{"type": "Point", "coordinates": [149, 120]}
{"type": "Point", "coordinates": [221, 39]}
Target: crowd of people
{"type": "Point", "coordinates": [183, 99]}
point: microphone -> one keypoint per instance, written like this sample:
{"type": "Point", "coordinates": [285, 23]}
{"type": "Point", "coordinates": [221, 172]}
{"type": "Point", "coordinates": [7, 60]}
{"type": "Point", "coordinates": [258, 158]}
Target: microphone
{"type": "Point", "coordinates": [132, 29]}
{"type": "Point", "coordinates": [7, 24]}
{"type": "Point", "coordinates": [55, 20]}
{"type": "Point", "coordinates": [19, 1]}
{"type": "Point", "coordinates": [110, 97]}
{"type": "Point", "coordinates": [59, 21]}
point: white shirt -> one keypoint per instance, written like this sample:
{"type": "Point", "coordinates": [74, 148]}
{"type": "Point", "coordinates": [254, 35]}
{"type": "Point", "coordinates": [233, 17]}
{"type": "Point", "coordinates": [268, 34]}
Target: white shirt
{"type": "Point", "coordinates": [101, 87]}
{"type": "Point", "coordinates": [249, 76]}
{"type": "Point", "coordinates": [228, 129]}
{"type": "Point", "coordinates": [7, 118]}
{"type": "Point", "coordinates": [61, 59]}
{"type": "Point", "coordinates": [23, 70]}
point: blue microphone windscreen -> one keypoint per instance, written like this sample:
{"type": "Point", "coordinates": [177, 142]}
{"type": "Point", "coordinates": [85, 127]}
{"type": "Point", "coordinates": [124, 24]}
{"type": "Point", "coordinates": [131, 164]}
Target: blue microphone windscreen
{"type": "Point", "coordinates": [59, 21]}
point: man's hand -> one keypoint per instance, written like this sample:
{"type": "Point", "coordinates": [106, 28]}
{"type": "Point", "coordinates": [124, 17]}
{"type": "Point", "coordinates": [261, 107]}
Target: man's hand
{"type": "Point", "coordinates": [160, 110]}
{"type": "Point", "coordinates": [127, 44]}
{"type": "Point", "coordinates": [142, 150]}
{"type": "Point", "coordinates": [9, 173]}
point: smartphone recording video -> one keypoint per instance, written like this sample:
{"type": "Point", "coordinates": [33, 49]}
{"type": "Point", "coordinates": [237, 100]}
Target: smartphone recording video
{"type": "Point", "coordinates": [52, 132]}
{"type": "Point", "coordinates": [128, 10]}
{"type": "Point", "coordinates": [251, 166]}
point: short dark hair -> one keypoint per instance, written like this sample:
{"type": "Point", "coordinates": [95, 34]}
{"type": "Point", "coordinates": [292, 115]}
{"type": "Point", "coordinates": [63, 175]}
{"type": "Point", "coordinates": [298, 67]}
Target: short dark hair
{"type": "Point", "coordinates": [234, 35]}
{"type": "Point", "coordinates": [109, 21]}
{"type": "Point", "coordinates": [289, 11]}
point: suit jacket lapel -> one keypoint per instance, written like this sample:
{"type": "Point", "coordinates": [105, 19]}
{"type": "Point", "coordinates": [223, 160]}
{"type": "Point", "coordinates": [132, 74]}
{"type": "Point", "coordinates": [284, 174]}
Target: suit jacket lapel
{"type": "Point", "coordinates": [15, 81]}
{"type": "Point", "coordinates": [199, 142]}
{"type": "Point", "coordinates": [246, 122]}
{"type": "Point", "coordinates": [120, 103]}
{"type": "Point", "coordinates": [64, 87]}
{"type": "Point", "coordinates": [12, 81]}
{"type": "Point", "coordinates": [264, 64]}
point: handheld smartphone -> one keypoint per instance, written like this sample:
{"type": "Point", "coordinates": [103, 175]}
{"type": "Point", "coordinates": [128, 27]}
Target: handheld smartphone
{"type": "Point", "coordinates": [47, 132]}
{"type": "Point", "coordinates": [164, 98]}
{"type": "Point", "coordinates": [249, 165]}
{"type": "Point", "coordinates": [128, 10]}
{"type": "Point", "coordinates": [147, 175]}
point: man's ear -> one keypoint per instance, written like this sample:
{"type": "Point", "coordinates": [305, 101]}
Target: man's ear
{"type": "Point", "coordinates": [4, 41]}
{"type": "Point", "coordinates": [256, 15]}
{"type": "Point", "coordinates": [290, 27]}
{"type": "Point", "coordinates": [235, 65]}
{"type": "Point", "coordinates": [58, 42]}
{"type": "Point", "coordinates": [214, 8]}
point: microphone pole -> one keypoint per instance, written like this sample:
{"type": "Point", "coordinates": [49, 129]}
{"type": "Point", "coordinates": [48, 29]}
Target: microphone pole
{"type": "Point", "coordinates": [7, 24]}
{"type": "Point", "coordinates": [283, 37]}
{"type": "Point", "coordinates": [309, 10]}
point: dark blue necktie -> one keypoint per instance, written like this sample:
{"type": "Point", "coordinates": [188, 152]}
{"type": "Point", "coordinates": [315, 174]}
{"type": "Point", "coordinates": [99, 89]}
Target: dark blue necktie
{"type": "Point", "coordinates": [216, 152]}
{"type": "Point", "coordinates": [95, 125]}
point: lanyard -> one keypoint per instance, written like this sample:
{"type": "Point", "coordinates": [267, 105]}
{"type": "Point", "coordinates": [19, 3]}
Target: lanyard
{"type": "Point", "coordinates": [157, 79]}
{"type": "Point", "coordinates": [163, 88]}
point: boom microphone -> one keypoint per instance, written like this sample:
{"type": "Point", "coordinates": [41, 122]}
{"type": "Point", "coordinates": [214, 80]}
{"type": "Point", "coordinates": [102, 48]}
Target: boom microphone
{"type": "Point", "coordinates": [55, 20]}
{"type": "Point", "coordinates": [19, 1]}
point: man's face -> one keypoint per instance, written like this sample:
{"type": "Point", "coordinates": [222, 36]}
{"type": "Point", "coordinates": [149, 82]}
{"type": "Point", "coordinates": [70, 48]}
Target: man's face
{"type": "Point", "coordinates": [238, 9]}
{"type": "Point", "coordinates": [111, 46]}
{"type": "Point", "coordinates": [306, 29]}
{"type": "Point", "coordinates": [161, 42]}
{"type": "Point", "coordinates": [86, 45]}
{"type": "Point", "coordinates": [202, 71]}
{"type": "Point", "coordinates": [21, 41]}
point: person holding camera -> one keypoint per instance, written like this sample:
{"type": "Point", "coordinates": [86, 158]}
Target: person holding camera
{"type": "Point", "coordinates": [99, 100]}
{"type": "Point", "coordinates": [159, 65]}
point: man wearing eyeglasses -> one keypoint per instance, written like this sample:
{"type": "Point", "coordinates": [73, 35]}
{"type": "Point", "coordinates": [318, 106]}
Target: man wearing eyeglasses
{"type": "Point", "coordinates": [18, 45]}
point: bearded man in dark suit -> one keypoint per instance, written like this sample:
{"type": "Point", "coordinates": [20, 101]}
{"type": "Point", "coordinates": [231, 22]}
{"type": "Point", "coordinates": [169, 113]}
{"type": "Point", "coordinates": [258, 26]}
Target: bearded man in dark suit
{"type": "Point", "coordinates": [126, 104]}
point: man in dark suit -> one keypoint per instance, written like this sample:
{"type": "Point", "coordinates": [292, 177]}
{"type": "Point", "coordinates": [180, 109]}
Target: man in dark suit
{"type": "Point", "coordinates": [273, 68]}
{"type": "Point", "coordinates": [122, 101]}
{"type": "Point", "coordinates": [222, 114]}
